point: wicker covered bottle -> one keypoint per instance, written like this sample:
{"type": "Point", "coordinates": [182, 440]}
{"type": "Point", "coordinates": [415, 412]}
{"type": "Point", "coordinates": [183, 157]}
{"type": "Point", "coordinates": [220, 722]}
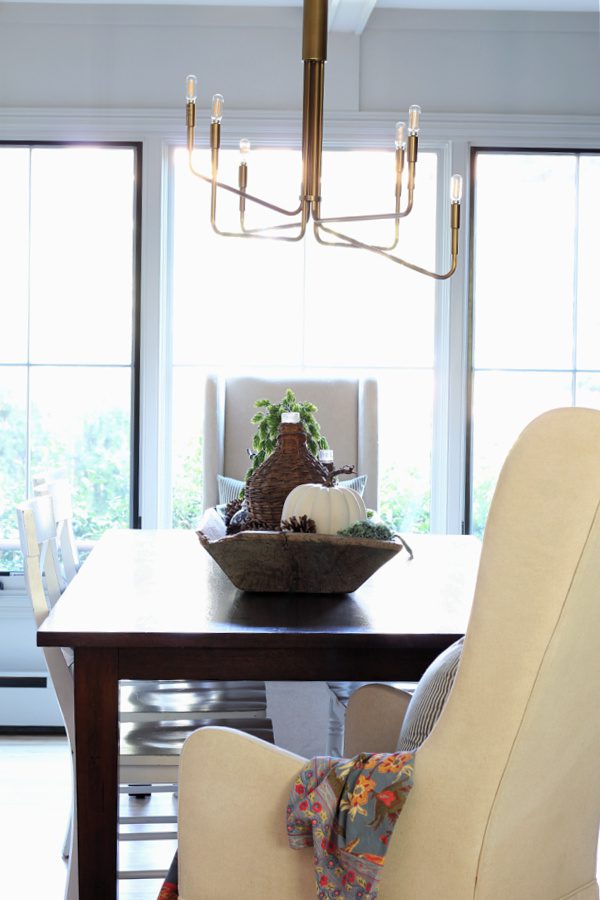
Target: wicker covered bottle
{"type": "Point", "coordinates": [290, 464]}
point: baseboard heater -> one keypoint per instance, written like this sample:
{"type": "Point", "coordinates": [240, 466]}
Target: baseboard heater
{"type": "Point", "coordinates": [28, 704]}
{"type": "Point", "coordinates": [23, 681]}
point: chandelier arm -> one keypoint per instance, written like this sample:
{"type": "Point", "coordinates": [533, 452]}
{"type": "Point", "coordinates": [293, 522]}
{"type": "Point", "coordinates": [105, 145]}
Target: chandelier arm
{"type": "Point", "coordinates": [217, 230]}
{"type": "Point", "coordinates": [403, 262]}
{"type": "Point", "coordinates": [259, 231]}
{"type": "Point", "coordinates": [251, 197]}
{"type": "Point", "coordinates": [396, 216]}
{"type": "Point", "coordinates": [265, 237]}
{"type": "Point", "coordinates": [243, 196]}
{"type": "Point", "coordinates": [394, 243]}
{"type": "Point", "coordinates": [327, 220]}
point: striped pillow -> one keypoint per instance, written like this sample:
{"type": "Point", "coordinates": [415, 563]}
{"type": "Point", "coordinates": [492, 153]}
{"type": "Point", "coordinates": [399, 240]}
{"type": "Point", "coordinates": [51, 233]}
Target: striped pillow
{"type": "Point", "coordinates": [357, 483]}
{"type": "Point", "coordinates": [228, 488]}
{"type": "Point", "coordinates": [429, 698]}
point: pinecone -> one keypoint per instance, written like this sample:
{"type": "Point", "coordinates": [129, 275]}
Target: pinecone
{"type": "Point", "coordinates": [303, 524]}
{"type": "Point", "coordinates": [230, 510]}
{"type": "Point", "coordinates": [257, 525]}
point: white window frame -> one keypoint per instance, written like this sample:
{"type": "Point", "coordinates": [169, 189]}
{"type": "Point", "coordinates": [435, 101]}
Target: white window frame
{"type": "Point", "coordinates": [451, 136]}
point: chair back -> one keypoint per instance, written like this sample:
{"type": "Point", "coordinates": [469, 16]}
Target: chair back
{"type": "Point", "coordinates": [506, 801]}
{"type": "Point", "coordinates": [37, 532]}
{"type": "Point", "coordinates": [347, 413]}
{"type": "Point", "coordinates": [59, 489]}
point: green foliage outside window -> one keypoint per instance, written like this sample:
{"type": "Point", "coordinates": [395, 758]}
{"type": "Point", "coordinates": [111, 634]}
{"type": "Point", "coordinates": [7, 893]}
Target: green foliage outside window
{"type": "Point", "coordinates": [404, 499]}
{"type": "Point", "coordinates": [98, 466]}
{"type": "Point", "coordinates": [188, 486]}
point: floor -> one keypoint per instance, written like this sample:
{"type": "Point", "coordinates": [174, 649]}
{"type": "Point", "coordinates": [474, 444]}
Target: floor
{"type": "Point", "coordinates": [35, 787]}
{"type": "Point", "coordinates": [35, 791]}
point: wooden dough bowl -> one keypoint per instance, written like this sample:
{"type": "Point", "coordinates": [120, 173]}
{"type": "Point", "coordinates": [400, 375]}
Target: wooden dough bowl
{"type": "Point", "coordinates": [271, 561]}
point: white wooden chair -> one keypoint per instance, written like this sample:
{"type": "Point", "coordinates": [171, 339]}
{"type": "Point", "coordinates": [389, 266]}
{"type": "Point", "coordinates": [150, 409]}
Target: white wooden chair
{"type": "Point", "coordinates": [58, 487]}
{"type": "Point", "coordinates": [147, 701]}
{"type": "Point", "coordinates": [506, 797]}
{"type": "Point", "coordinates": [140, 764]}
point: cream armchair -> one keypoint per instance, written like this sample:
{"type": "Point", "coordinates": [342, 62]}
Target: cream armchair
{"type": "Point", "coordinates": [506, 801]}
{"type": "Point", "coordinates": [347, 414]}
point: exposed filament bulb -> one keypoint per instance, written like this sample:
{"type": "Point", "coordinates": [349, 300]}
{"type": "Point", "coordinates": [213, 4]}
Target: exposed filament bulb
{"type": "Point", "coordinates": [217, 109]}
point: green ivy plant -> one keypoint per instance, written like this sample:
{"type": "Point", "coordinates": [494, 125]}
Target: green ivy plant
{"type": "Point", "coordinates": [268, 420]}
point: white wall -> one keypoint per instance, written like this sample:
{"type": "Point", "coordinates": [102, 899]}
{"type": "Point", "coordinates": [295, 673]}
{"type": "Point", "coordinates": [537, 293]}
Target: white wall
{"type": "Point", "coordinates": [137, 57]}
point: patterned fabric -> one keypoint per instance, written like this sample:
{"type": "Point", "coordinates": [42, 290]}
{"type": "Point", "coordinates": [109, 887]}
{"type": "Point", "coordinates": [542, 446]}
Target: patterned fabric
{"type": "Point", "coordinates": [169, 890]}
{"type": "Point", "coordinates": [346, 810]}
{"type": "Point", "coordinates": [429, 697]}
{"type": "Point", "coordinates": [228, 488]}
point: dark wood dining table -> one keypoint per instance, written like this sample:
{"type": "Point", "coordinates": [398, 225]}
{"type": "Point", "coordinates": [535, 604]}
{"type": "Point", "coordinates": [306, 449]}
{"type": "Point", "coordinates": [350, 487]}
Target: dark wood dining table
{"type": "Point", "coordinates": [153, 604]}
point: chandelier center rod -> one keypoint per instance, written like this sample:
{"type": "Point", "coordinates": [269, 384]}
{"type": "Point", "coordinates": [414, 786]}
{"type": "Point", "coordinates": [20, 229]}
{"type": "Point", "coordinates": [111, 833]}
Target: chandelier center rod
{"type": "Point", "coordinates": [314, 54]}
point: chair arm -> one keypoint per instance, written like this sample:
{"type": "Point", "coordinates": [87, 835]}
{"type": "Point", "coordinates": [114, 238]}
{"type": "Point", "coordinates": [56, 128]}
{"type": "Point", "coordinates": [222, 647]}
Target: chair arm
{"type": "Point", "coordinates": [374, 719]}
{"type": "Point", "coordinates": [233, 792]}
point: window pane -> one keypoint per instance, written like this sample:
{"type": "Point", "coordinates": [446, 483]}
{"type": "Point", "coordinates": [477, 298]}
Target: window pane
{"type": "Point", "coordinates": [14, 252]}
{"type": "Point", "coordinates": [503, 404]}
{"type": "Point", "coordinates": [588, 391]}
{"type": "Point", "coordinates": [588, 280]}
{"type": "Point", "coordinates": [236, 301]}
{"type": "Point", "coordinates": [383, 313]}
{"type": "Point", "coordinates": [82, 242]}
{"type": "Point", "coordinates": [13, 456]}
{"type": "Point", "coordinates": [187, 418]}
{"type": "Point", "coordinates": [67, 291]}
{"type": "Point", "coordinates": [81, 421]}
{"type": "Point", "coordinates": [549, 255]}
{"type": "Point", "coordinates": [405, 424]}
{"type": "Point", "coordinates": [524, 260]}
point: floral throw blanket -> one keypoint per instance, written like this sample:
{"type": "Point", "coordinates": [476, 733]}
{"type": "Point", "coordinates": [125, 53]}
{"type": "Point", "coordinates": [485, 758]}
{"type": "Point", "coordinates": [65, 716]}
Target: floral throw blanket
{"type": "Point", "coordinates": [346, 810]}
{"type": "Point", "coordinates": [169, 889]}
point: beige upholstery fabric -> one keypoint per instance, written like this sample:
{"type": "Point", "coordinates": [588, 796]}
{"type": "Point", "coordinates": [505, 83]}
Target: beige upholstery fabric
{"type": "Point", "coordinates": [506, 801]}
{"type": "Point", "coordinates": [347, 414]}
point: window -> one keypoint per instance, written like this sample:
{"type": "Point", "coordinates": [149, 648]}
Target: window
{"type": "Point", "coordinates": [536, 316]}
{"type": "Point", "coordinates": [239, 305]}
{"type": "Point", "coordinates": [67, 360]}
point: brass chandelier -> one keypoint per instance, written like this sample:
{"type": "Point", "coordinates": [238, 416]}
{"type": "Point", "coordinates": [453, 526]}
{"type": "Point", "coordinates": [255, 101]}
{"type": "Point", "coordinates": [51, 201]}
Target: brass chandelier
{"type": "Point", "coordinates": [314, 54]}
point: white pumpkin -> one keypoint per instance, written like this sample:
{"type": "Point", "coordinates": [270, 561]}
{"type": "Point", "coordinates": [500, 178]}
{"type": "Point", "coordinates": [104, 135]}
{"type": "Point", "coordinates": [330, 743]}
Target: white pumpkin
{"type": "Point", "coordinates": [331, 508]}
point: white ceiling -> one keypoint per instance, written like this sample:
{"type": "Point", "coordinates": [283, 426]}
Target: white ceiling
{"type": "Point", "coordinates": [505, 5]}
{"type": "Point", "coordinates": [351, 16]}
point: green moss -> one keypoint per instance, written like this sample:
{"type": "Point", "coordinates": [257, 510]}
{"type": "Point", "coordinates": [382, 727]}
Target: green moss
{"type": "Point", "coordinates": [367, 529]}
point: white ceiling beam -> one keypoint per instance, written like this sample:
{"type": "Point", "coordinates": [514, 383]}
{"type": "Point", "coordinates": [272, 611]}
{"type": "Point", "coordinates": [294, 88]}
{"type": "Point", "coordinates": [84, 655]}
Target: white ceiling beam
{"type": "Point", "coordinates": [350, 15]}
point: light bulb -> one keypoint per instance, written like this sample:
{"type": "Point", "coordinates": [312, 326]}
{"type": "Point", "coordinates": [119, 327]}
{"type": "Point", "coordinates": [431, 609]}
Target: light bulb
{"type": "Point", "coordinates": [190, 88]}
{"type": "Point", "coordinates": [244, 148]}
{"type": "Point", "coordinates": [217, 108]}
{"type": "Point", "coordinates": [400, 135]}
{"type": "Point", "coordinates": [414, 118]}
{"type": "Point", "coordinates": [456, 187]}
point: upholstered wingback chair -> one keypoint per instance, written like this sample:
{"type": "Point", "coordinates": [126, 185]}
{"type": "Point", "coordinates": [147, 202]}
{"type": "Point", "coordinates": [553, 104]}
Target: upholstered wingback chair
{"type": "Point", "coordinates": [506, 799]}
{"type": "Point", "coordinates": [347, 414]}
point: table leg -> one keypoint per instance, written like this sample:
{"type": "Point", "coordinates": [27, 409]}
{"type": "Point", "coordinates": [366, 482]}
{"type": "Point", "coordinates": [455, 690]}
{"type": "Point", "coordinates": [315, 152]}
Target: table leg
{"type": "Point", "coordinates": [96, 761]}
